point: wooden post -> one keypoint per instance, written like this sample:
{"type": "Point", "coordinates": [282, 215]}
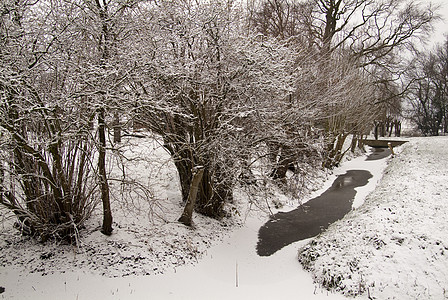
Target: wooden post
{"type": "Point", "coordinates": [391, 148]}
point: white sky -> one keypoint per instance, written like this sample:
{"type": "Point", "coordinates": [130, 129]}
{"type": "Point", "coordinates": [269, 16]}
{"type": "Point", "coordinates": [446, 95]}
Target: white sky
{"type": "Point", "coordinates": [441, 27]}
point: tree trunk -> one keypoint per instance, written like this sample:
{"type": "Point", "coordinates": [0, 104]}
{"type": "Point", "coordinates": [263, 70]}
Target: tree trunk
{"type": "Point", "coordinates": [279, 173]}
{"type": "Point", "coordinates": [376, 130]}
{"type": "Point", "coordinates": [398, 129]}
{"type": "Point", "coordinates": [185, 176]}
{"type": "Point", "coordinates": [354, 143]}
{"type": "Point", "coordinates": [107, 213]}
{"type": "Point", "coordinates": [284, 162]}
{"type": "Point", "coordinates": [382, 129]}
{"type": "Point", "coordinates": [335, 153]}
{"type": "Point", "coordinates": [187, 214]}
{"type": "Point", "coordinates": [117, 128]}
{"type": "Point", "coordinates": [361, 143]}
{"type": "Point", "coordinates": [215, 191]}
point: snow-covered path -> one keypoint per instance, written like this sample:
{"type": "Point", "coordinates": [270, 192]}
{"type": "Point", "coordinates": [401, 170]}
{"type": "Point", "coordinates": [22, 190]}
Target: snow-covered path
{"type": "Point", "coordinates": [231, 270]}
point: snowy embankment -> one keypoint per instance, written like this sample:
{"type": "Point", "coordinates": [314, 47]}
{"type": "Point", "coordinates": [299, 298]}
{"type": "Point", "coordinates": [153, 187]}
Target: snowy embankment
{"type": "Point", "coordinates": [395, 246]}
{"type": "Point", "coordinates": [146, 239]}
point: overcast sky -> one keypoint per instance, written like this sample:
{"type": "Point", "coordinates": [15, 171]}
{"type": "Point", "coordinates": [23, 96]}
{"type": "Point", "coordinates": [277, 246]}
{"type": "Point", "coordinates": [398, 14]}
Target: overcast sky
{"type": "Point", "coordinates": [441, 26]}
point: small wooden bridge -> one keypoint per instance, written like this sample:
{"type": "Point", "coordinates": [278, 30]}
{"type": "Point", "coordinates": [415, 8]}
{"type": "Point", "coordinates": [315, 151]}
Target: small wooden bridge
{"type": "Point", "coordinates": [383, 143]}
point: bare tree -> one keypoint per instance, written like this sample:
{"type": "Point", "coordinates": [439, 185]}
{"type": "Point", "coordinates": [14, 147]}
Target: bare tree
{"type": "Point", "coordinates": [46, 150]}
{"type": "Point", "coordinates": [203, 87]}
{"type": "Point", "coordinates": [429, 93]}
{"type": "Point", "coordinates": [60, 71]}
{"type": "Point", "coordinates": [104, 29]}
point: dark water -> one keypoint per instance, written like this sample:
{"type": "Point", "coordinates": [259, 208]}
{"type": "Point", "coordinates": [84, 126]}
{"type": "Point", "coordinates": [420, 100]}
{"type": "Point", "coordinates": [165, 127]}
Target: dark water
{"type": "Point", "coordinates": [379, 153]}
{"type": "Point", "coordinates": [313, 217]}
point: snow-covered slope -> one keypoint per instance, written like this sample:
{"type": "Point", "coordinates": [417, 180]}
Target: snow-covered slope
{"type": "Point", "coordinates": [395, 246]}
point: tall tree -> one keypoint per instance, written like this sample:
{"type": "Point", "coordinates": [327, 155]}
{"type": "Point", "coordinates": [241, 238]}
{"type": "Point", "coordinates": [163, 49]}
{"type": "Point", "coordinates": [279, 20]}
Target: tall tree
{"type": "Point", "coordinates": [203, 86]}
{"type": "Point", "coordinates": [105, 28]}
{"type": "Point", "coordinates": [105, 45]}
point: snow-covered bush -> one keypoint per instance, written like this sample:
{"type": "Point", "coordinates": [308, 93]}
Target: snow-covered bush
{"type": "Point", "coordinates": [212, 94]}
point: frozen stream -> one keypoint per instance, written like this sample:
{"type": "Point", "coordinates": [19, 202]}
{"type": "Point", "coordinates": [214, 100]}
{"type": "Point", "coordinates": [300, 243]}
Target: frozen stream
{"type": "Point", "coordinates": [313, 217]}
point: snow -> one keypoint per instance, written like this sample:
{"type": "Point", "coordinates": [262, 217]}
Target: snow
{"type": "Point", "coordinates": [152, 256]}
{"type": "Point", "coordinates": [231, 270]}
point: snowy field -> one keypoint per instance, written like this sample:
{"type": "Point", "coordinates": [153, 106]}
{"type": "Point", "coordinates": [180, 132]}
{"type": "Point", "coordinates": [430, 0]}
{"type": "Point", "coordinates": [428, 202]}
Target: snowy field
{"type": "Point", "coordinates": [395, 246]}
{"type": "Point", "coordinates": [399, 232]}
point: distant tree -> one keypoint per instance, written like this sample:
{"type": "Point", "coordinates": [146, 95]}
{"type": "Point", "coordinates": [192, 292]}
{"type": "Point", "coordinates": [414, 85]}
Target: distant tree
{"type": "Point", "coordinates": [429, 93]}
{"type": "Point", "coordinates": [365, 35]}
{"type": "Point", "coordinates": [442, 54]}
{"type": "Point", "coordinates": [372, 33]}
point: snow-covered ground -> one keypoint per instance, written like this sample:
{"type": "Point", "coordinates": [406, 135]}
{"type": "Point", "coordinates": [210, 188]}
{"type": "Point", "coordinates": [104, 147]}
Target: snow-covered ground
{"type": "Point", "coordinates": [395, 246]}
{"type": "Point", "coordinates": [150, 256]}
